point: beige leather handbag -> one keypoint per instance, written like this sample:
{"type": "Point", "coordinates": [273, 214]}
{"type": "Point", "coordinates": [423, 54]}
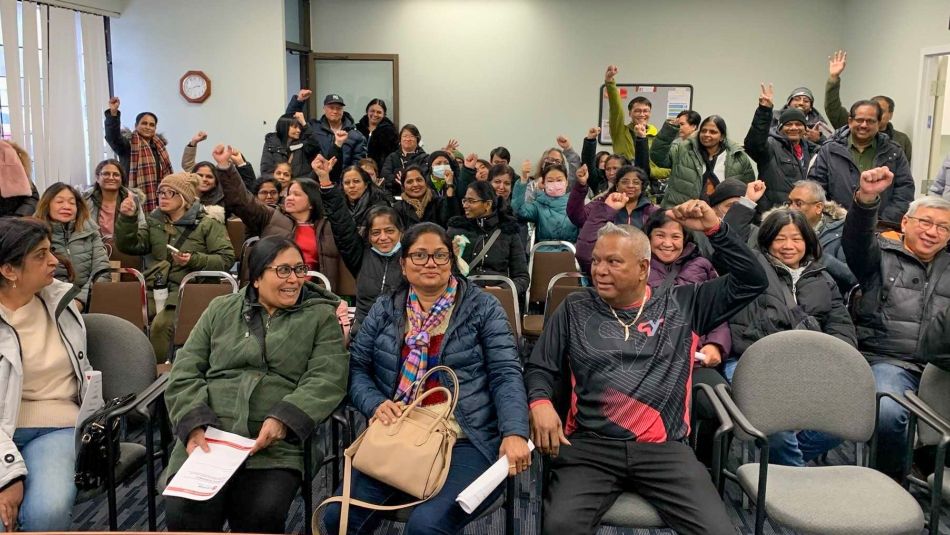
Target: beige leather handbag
{"type": "Point", "coordinates": [412, 455]}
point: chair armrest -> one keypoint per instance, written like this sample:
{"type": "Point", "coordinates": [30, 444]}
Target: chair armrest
{"type": "Point", "coordinates": [924, 408]}
{"type": "Point", "coordinates": [737, 417]}
{"type": "Point", "coordinates": [143, 399]}
{"type": "Point", "coordinates": [725, 422]}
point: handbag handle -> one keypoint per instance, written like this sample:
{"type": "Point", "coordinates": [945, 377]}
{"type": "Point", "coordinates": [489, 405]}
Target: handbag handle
{"type": "Point", "coordinates": [453, 399]}
{"type": "Point", "coordinates": [394, 428]}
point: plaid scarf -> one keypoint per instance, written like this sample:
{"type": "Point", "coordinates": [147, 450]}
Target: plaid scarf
{"type": "Point", "coordinates": [144, 172]}
{"type": "Point", "coordinates": [417, 339]}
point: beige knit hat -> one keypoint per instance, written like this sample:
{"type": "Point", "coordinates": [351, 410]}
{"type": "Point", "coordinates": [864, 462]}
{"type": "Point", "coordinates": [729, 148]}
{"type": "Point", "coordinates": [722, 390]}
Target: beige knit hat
{"type": "Point", "coordinates": [185, 184]}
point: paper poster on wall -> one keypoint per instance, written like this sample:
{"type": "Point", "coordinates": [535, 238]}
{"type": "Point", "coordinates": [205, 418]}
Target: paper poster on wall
{"type": "Point", "coordinates": [668, 100]}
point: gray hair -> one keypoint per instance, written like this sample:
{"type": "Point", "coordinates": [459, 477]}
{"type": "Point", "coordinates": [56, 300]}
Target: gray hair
{"type": "Point", "coordinates": [641, 244]}
{"type": "Point", "coordinates": [813, 188]}
{"type": "Point", "coordinates": [928, 201]}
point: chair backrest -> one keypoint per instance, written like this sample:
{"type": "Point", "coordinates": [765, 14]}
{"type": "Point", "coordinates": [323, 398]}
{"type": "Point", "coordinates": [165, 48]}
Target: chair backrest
{"type": "Point", "coordinates": [125, 260]}
{"type": "Point", "coordinates": [806, 380]}
{"type": "Point", "coordinates": [126, 299]}
{"type": "Point", "coordinates": [193, 299]}
{"type": "Point", "coordinates": [320, 279]}
{"type": "Point", "coordinates": [934, 390]}
{"type": "Point", "coordinates": [346, 282]}
{"type": "Point", "coordinates": [560, 286]}
{"type": "Point", "coordinates": [504, 290]}
{"type": "Point", "coordinates": [122, 352]}
{"type": "Point", "coordinates": [245, 254]}
{"type": "Point", "coordinates": [236, 230]}
{"type": "Point", "coordinates": [544, 265]}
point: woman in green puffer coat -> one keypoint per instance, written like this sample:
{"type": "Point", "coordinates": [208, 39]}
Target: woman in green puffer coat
{"type": "Point", "coordinates": [75, 237]}
{"type": "Point", "coordinates": [699, 163]}
{"type": "Point", "coordinates": [267, 363]}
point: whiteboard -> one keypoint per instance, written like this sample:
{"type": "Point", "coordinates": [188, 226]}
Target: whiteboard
{"type": "Point", "coordinates": [668, 100]}
{"type": "Point", "coordinates": [358, 82]}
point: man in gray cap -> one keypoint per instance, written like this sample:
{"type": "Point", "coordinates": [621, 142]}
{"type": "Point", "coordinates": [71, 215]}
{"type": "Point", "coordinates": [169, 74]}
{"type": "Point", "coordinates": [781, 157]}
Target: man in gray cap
{"type": "Point", "coordinates": [334, 119]}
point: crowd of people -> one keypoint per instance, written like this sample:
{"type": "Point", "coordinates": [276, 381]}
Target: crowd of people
{"type": "Point", "coordinates": [692, 247]}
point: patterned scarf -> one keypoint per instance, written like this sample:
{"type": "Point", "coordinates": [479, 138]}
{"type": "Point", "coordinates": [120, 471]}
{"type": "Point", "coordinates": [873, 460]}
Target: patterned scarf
{"type": "Point", "coordinates": [420, 204]}
{"type": "Point", "coordinates": [143, 170]}
{"type": "Point", "coordinates": [417, 339]}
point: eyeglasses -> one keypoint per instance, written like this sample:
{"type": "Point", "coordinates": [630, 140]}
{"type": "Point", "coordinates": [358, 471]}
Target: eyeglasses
{"type": "Point", "coordinates": [267, 193]}
{"type": "Point", "coordinates": [420, 258]}
{"type": "Point", "coordinates": [283, 271]}
{"type": "Point", "coordinates": [868, 122]}
{"type": "Point", "coordinates": [466, 201]}
{"type": "Point", "coordinates": [105, 174]}
{"type": "Point", "coordinates": [927, 224]}
{"type": "Point", "coordinates": [798, 203]}
{"type": "Point", "coordinates": [167, 193]}
{"type": "Point", "coordinates": [630, 183]}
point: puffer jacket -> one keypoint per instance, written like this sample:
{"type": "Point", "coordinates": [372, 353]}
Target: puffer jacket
{"type": "Point", "coordinates": [208, 243]}
{"type": "Point", "coordinates": [240, 366]}
{"type": "Point", "coordinates": [375, 274]}
{"type": "Point", "coordinates": [549, 214]}
{"type": "Point", "coordinates": [20, 206]}
{"type": "Point", "coordinates": [815, 292]}
{"type": "Point", "coordinates": [687, 164]}
{"type": "Point", "coordinates": [836, 171]}
{"type": "Point", "coordinates": [506, 256]}
{"type": "Point", "coordinates": [477, 345]}
{"type": "Point", "coordinates": [381, 142]}
{"type": "Point", "coordinates": [58, 300]}
{"type": "Point", "coordinates": [596, 214]}
{"type": "Point", "coordinates": [395, 162]}
{"type": "Point", "coordinates": [262, 220]}
{"type": "Point", "coordinates": [774, 155]}
{"type": "Point", "coordinates": [298, 153]}
{"type": "Point", "coordinates": [901, 295]}
{"type": "Point", "coordinates": [354, 148]}
{"type": "Point", "coordinates": [93, 199]}
{"type": "Point", "coordinates": [85, 251]}
{"type": "Point", "coordinates": [693, 269]}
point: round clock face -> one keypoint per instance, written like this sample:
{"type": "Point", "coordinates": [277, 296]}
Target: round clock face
{"type": "Point", "coordinates": [194, 86]}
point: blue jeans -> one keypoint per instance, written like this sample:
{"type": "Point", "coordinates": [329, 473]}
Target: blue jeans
{"type": "Point", "coordinates": [729, 368]}
{"type": "Point", "coordinates": [440, 515]}
{"type": "Point", "coordinates": [892, 420]}
{"type": "Point", "coordinates": [795, 448]}
{"type": "Point", "coordinates": [49, 489]}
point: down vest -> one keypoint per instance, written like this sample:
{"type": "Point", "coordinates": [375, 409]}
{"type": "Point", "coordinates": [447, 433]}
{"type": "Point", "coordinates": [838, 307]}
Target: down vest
{"type": "Point", "coordinates": [477, 345]}
{"type": "Point", "coordinates": [902, 295]}
{"type": "Point", "coordinates": [85, 252]}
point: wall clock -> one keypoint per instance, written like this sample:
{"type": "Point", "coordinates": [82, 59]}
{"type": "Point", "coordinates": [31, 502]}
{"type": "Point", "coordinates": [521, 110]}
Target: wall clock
{"type": "Point", "coordinates": [195, 87]}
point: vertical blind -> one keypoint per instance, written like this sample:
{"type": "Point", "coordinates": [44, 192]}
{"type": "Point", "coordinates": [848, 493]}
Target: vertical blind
{"type": "Point", "coordinates": [53, 87]}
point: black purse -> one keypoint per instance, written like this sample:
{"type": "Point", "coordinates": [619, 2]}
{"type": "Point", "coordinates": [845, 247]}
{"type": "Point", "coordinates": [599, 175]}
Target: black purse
{"type": "Point", "coordinates": [92, 459]}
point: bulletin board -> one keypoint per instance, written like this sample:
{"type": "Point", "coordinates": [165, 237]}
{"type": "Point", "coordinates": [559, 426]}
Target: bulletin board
{"type": "Point", "coordinates": [668, 100]}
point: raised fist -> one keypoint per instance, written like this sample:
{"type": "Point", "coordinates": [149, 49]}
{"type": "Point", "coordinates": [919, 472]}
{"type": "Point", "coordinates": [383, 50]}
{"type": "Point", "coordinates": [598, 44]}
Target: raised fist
{"type": "Point", "coordinates": [340, 137]}
{"type": "Point", "coordinates": [694, 215]}
{"type": "Point", "coordinates": [593, 132]}
{"type": "Point", "coordinates": [114, 105]}
{"type": "Point", "coordinates": [525, 169]}
{"type": "Point", "coordinates": [873, 183]}
{"type": "Point", "coordinates": [563, 142]}
{"type": "Point", "coordinates": [754, 190]}
{"type": "Point", "coordinates": [612, 71]}
{"type": "Point", "coordinates": [582, 175]}
{"type": "Point", "coordinates": [640, 130]}
{"type": "Point", "coordinates": [304, 94]}
{"type": "Point", "coordinates": [222, 155]}
{"type": "Point", "coordinates": [237, 158]}
{"type": "Point", "coordinates": [300, 118]}
{"type": "Point", "coordinates": [470, 160]}
{"type": "Point", "coordinates": [199, 137]}
{"type": "Point", "coordinates": [616, 200]}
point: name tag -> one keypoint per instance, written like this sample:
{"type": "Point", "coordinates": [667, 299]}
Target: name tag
{"type": "Point", "coordinates": [296, 146]}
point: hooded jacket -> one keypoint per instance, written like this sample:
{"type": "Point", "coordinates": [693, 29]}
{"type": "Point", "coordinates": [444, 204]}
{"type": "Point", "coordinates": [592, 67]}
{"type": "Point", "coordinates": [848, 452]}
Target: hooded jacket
{"type": "Point", "coordinates": [774, 155]}
{"type": "Point", "coordinates": [57, 298]}
{"type": "Point", "coordinates": [396, 162]}
{"type": "Point", "coordinates": [549, 214]}
{"type": "Point", "coordinates": [596, 214]}
{"type": "Point", "coordinates": [834, 168]}
{"type": "Point", "coordinates": [207, 240]}
{"type": "Point", "coordinates": [506, 256]}
{"type": "Point", "coordinates": [381, 142]}
{"type": "Point", "coordinates": [85, 251]}
{"type": "Point", "coordinates": [93, 199]}
{"type": "Point", "coordinates": [21, 205]}
{"type": "Point", "coordinates": [299, 153]}
{"type": "Point", "coordinates": [240, 366]}
{"type": "Point", "coordinates": [687, 164]}
{"type": "Point", "coordinates": [477, 345]}
{"type": "Point", "coordinates": [353, 150]}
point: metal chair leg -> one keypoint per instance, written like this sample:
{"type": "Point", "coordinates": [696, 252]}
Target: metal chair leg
{"type": "Point", "coordinates": [306, 487]}
{"type": "Point", "coordinates": [510, 506]}
{"type": "Point", "coordinates": [110, 484]}
{"type": "Point", "coordinates": [150, 474]}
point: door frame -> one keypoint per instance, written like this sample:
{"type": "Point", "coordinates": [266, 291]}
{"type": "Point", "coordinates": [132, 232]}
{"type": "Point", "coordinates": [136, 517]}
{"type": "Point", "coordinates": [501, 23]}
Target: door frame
{"type": "Point", "coordinates": [923, 129]}
{"type": "Point", "coordinates": [312, 70]}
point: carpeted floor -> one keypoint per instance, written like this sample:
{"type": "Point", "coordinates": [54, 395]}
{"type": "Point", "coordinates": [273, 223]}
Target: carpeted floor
{"type": "Point", "coordinates": [93, 515]}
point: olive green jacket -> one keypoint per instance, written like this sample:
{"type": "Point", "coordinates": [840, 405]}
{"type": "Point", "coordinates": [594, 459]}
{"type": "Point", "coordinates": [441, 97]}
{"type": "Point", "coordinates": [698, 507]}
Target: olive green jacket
{"type": "Point", "coordinates": [621, 135]}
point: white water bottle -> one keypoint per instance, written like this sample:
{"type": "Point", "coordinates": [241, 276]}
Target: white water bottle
{"type": "Point", "coordinates": [160, 294]}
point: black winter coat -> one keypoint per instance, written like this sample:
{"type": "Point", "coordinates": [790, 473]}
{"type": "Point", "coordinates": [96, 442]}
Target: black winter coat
{"type": "Point", "coordinates": [23, 206]}
{"type": "Point", "coordinates": [439, 211]}
{"type": "Point", "coordinates": [817, 295]}
{"type": "Point", "coordinates": [903, 298]}
{"type": "Point", "coordinates": [774, 155]}
{"type": "Point", "coordinates": [396, 162]}
{"type": "Point", "coordinates": [381, 142]}
{"type": "Point", "coordinates": [303, 151]}
{"type": "Point", "coordinates": [506, 256]}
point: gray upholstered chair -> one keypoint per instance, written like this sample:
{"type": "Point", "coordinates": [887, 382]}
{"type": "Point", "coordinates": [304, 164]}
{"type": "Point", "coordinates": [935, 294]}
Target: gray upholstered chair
{"type": "Point", "coordinates": [124, 355]}
{"type": "Point", "coordinates": [932, 402]}
{"type": "Point", "coordinates": [808, 380]}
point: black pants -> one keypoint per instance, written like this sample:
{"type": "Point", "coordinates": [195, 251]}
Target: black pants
{"type": "Point", "coordinates": [253, 501]}
{"type": "Point", "coordinates": [588, 476]}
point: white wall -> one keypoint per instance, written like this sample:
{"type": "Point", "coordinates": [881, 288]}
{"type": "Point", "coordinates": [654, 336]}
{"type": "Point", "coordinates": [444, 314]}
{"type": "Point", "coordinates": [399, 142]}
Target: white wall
{"type": "Point", "coordinates": [520, 72]}
{"type": "Point", "coordinates": [239, 44]}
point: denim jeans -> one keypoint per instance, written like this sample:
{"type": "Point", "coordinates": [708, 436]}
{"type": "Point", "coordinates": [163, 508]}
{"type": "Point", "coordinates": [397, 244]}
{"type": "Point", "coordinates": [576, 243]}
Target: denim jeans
{"type": "Point", "coordinates": [795, 448]}
{"type": "Point", "coordinates": [49, 488]}
{"type": "Point", "coordinates": [440, 515]}
{"type": "Point", "coordinates": [892, 420]}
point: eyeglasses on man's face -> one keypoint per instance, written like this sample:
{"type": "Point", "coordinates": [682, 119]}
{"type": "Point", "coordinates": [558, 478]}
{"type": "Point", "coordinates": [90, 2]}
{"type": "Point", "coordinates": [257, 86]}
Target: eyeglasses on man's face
{"type": "Point", "coordinates": [927, 224]}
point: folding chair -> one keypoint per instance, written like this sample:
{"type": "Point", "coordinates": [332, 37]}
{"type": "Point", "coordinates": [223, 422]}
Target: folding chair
{"type": "Point", "coordinates": [126, 299]}
{"type": "Point", "coordinates": [193, 299]}
{"type": "Point", "coordinates": [507, 294]}
{"type": "Point", "coordinates": [321, 279]}
{"type": "Point", "coordinates": [125, 260]}
{"type": "Point", "coordinates": [543, 266]}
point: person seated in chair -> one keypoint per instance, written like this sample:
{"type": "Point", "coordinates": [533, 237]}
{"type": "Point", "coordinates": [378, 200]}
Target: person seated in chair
{"type": "Point", "coordinates": [623, 355]}
{"type": "Point", "coordinates": [268, 363]}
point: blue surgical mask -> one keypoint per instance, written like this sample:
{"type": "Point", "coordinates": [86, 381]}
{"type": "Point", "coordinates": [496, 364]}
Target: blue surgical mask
{"type": "Point", "coordinates": [390, 253]}
{"type": "Point", "coordinates": [439, 171]}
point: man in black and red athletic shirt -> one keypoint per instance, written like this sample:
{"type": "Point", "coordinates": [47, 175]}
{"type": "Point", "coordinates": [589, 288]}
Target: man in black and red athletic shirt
{"type": "Point", "coordinates": [624, 359]}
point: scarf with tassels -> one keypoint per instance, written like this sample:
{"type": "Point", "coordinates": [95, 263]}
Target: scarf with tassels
{"type": "Point", "coordinates": [417, 339]}
{"type": "Point", "coordinates": [144, 172]}
{"type": "Point", "coordinates": [419, 205]}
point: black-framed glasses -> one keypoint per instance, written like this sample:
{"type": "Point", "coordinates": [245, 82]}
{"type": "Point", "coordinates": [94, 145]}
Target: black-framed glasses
{"type": "Point", "coordinates": [927, 224]}
{"type": "Point", "coordinates": [283, 271]}
{"type": "Point", "coordinates": [268, 193]}
{"type": "Point", "coordinates": [631, 183]}
{"type": "Point", "coordinates": [421, 258]}
{"type": "Point", "coordinates": [167, 193]}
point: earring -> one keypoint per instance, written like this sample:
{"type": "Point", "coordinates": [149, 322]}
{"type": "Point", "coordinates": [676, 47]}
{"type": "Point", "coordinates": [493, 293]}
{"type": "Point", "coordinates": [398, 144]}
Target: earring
{"type": "Point", "coordinates": [14, 284]}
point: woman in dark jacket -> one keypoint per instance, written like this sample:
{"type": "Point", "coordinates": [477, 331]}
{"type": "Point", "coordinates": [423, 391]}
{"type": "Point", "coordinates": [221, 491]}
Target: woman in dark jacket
{"type": "Point", "coordinates": [482, 220]}
{"type": "Point", "coordinates": [397, 163]}
{"type": "Point", "coordinates": [290, 142]}
{"type": "Point", "coordinates": [379, 131]}
{"type": "Point", "coordinates": [438, 319]}
{"type": "Point", "coordinates": [18, 195]}
{"type": "Point", "coordinates": [361, 194]}
{"type": "Point", "coordinates": [419, 202]}
{"type": "Point", "coordinates": [801, 295]}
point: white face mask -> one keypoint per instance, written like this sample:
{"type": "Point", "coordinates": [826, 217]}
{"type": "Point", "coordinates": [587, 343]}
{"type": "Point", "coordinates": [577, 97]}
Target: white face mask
{"type": "Point", "coordinates": [439, 171]}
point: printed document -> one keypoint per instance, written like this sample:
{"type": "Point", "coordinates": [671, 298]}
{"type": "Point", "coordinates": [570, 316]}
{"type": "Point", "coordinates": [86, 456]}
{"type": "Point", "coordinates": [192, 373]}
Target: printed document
{"type": "Point", "coordinates": [204, 474]}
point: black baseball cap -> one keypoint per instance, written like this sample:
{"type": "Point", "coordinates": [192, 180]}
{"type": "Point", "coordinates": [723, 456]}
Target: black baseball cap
{"type": "Point", "coordinates": [333, 98]}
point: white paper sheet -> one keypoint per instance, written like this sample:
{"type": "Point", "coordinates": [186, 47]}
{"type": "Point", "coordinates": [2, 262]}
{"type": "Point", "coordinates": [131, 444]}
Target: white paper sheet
{"type": "Point", "coordinates": [204, 474]}
{"type": "Point", "coordinates": [473, 495]}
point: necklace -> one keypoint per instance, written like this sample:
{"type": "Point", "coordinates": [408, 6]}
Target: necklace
{"type": "Point", "coordinates": [626, 326]}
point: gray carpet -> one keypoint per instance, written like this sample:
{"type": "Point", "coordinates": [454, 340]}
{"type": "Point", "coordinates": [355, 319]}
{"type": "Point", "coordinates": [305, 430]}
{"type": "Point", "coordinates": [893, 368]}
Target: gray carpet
{"type": "Point", "coordinates": [93, 515]}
